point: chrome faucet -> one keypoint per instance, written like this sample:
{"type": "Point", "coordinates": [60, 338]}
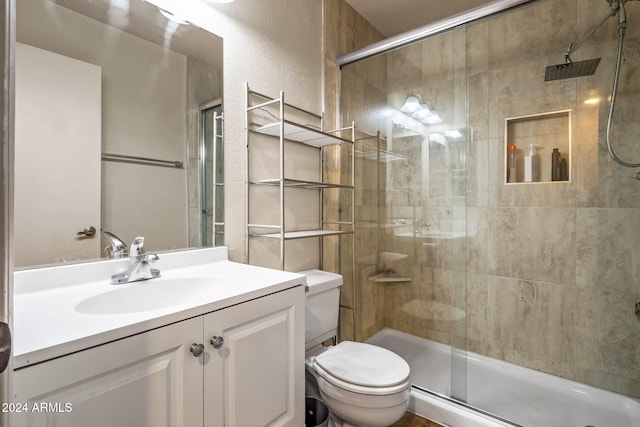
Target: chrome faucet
{"type": "Point", "coordinates": [139, 265]}
{"type": "Point", "coordinates": [117, 248]}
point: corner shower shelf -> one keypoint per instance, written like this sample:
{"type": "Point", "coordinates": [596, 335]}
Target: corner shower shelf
{"type": "Point", "coordinates": [301, 133]}
{"type": "Point", "coordinates": [261, 108]}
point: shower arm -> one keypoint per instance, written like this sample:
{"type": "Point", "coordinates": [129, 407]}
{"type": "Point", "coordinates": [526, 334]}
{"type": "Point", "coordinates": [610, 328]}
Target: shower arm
{"type": "Point", "coordinates": [573, 47]}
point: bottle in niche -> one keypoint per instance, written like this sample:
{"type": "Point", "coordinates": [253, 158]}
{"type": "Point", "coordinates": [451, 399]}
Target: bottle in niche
{"type": "Point", "coordinates": [555, 165]}
{"type": "Point", "coordinates": [511, 164]}
{"type": "Point", "coordinates": [532, 165]}
{"type": "Point", "coordinates": [564, 174]}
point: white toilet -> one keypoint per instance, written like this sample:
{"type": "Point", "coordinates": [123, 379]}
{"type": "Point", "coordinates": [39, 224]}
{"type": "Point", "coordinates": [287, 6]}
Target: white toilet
{"type": "Point", "coordinates": [361, 384]}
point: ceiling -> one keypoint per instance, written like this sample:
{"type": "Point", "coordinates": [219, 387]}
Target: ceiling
{"type": "Point", "coordinates": [392, 17]}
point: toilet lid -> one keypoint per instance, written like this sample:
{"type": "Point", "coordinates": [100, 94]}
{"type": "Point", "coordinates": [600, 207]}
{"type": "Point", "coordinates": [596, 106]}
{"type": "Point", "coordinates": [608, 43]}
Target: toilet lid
{"type": "Point", "coordinates": [364, 364]}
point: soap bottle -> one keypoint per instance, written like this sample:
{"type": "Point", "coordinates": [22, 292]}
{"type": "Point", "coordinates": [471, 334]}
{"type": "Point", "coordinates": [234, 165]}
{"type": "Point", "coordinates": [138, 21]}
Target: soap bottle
{"type": "Point", "coordinates": [555, 165]}
{"type": "Point", "coordinates": [564, 175]}
{"type": "Point", "coordinates": [532, 165]}
{"type": "Point", "coordinates": [511, 164]}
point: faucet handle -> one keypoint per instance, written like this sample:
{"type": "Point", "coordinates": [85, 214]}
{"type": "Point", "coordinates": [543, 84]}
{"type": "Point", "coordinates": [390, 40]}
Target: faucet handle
{"type": "Point", "coordinates": [137, 246]}
{"type": "Point", "coordinates": [150, 258]}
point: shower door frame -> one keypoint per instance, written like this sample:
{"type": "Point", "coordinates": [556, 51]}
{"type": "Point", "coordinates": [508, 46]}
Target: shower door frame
{"type": "Point", "coordinates": [429, 30]}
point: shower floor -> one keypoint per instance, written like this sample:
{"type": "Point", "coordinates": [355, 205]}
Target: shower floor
{"type": "Point", "coordinates": [523, 396]}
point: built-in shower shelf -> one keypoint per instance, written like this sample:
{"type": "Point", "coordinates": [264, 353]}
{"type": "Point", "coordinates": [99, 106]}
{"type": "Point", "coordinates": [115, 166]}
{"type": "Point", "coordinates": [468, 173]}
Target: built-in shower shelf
{"type": "Point", "coordinates": [301, 133]}
{"type": "Point", "coordinates": [547, 132]}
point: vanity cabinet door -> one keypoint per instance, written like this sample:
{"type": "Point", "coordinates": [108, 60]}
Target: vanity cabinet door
{"type": "Point", "coordinates": [148, 380]}
{"type": "Point", "coordinates": [256, 375]}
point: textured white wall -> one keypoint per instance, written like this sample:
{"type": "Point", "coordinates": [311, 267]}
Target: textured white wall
{"type": "Point", "coordinates": [274, 45]}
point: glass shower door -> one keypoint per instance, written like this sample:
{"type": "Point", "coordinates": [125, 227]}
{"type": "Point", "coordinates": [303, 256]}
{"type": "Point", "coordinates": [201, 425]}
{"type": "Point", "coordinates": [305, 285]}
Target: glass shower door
{"type": "Point", "coordinates": [412, 182]}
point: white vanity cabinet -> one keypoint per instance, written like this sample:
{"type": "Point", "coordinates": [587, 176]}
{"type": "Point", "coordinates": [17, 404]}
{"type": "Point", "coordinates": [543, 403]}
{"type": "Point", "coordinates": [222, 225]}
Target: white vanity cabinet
{"type": "Point", "coordinates": [159, 378]}
{"type": "Point", "coordinates": [256, 376]}
{"type": "Point", "coordinates": [150, 379]}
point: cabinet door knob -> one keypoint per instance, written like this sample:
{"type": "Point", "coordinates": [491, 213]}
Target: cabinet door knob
{"type": "Point", "coordinates": [216, 342]}
{"type": "Point", "coordinates": [197, 349]}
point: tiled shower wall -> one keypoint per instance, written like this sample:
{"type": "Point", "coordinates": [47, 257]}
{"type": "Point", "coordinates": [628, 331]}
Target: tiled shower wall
{"type": "Point", "coordinates": [343, 31]}
{"type": "Point", "coordinates": [553, 271]}
{"type": "Point", "coordinates": [550, 272]}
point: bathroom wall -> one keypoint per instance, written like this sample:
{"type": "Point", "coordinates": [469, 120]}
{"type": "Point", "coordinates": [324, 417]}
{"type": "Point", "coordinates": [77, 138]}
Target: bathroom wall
{"type": "Point", "coordinates": [274, 45]}
{"type": "Point", "coordinates": [549, 271]}
{"type": "Point", "coordinates": [345, 30]}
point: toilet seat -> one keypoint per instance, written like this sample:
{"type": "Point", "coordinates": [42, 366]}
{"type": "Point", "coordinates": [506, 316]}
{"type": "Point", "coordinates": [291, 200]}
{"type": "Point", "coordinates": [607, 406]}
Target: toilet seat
{"type": "Point", "coordinates": [363, 368]}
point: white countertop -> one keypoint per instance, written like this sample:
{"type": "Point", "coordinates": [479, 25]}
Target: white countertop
{"type": "Point", "coordinates": [46, 323]}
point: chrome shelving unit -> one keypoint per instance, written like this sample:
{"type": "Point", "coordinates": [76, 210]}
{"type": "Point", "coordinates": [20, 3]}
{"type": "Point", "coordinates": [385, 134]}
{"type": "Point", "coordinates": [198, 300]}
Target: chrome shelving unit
{"type": "Point", "coordinates": [273, 124]}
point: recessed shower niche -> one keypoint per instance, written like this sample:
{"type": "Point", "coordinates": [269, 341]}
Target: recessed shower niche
{"type": "Point", "coordinates": [538, 148]}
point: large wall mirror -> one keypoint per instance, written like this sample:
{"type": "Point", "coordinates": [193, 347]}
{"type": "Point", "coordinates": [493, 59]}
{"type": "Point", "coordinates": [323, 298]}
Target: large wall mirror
{"type": "Point", "coordinates": [118, 129]}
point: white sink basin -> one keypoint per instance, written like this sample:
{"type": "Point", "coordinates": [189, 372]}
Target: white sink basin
{"type": "Point", "coordinates": [147, 295]}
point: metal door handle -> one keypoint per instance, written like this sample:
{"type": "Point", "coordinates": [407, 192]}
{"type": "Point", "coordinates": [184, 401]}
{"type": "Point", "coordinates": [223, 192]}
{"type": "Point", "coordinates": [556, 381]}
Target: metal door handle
{"type": "Point", "coordinates": [216, 342]}
{"type": "Point", "coordinates": [196, 349]}
{"type": "Point", "coordinates": [88, 231]}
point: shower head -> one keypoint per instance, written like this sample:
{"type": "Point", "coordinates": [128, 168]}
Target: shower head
{"type": "Point", "coordinates": [571, 69]}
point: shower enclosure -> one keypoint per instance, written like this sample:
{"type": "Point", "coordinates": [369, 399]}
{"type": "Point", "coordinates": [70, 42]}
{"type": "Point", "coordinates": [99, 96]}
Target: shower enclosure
{"type": "Point", "coordinates": [542, 274]}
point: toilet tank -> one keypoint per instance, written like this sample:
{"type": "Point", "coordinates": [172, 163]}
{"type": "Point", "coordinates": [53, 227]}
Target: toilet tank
{"type": "Point", "coordinates": [322, 306]}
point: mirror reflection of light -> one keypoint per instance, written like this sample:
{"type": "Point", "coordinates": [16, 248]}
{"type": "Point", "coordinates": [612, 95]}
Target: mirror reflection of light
{"type": "Point", "coordinates": [432, 118]}
{"type": "Point", "coordinates": [422, 113]}
{"type": "Point", "coordinates": [438, 138]}
{"type": "Point", "coordinates": [411, 105]}
{"type": "Point", "coordinates": [592, 101]}
{"type": "Point", "coordinates": [453, 133]}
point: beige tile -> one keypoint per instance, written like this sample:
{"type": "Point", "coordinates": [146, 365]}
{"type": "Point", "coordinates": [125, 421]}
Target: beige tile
{"type": "Point", "coordinates": [533, 244]}
{"type": "Point", "coordinates": [477, 313]}
{"type": "Point", "coordinates": [346, 331]}
{"type": "Point", "coordinates": [607, 249]}
{"type": "Point", "coordinates": [607, 335]}
{"type": "Point", "coordinates": [530, 318]}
